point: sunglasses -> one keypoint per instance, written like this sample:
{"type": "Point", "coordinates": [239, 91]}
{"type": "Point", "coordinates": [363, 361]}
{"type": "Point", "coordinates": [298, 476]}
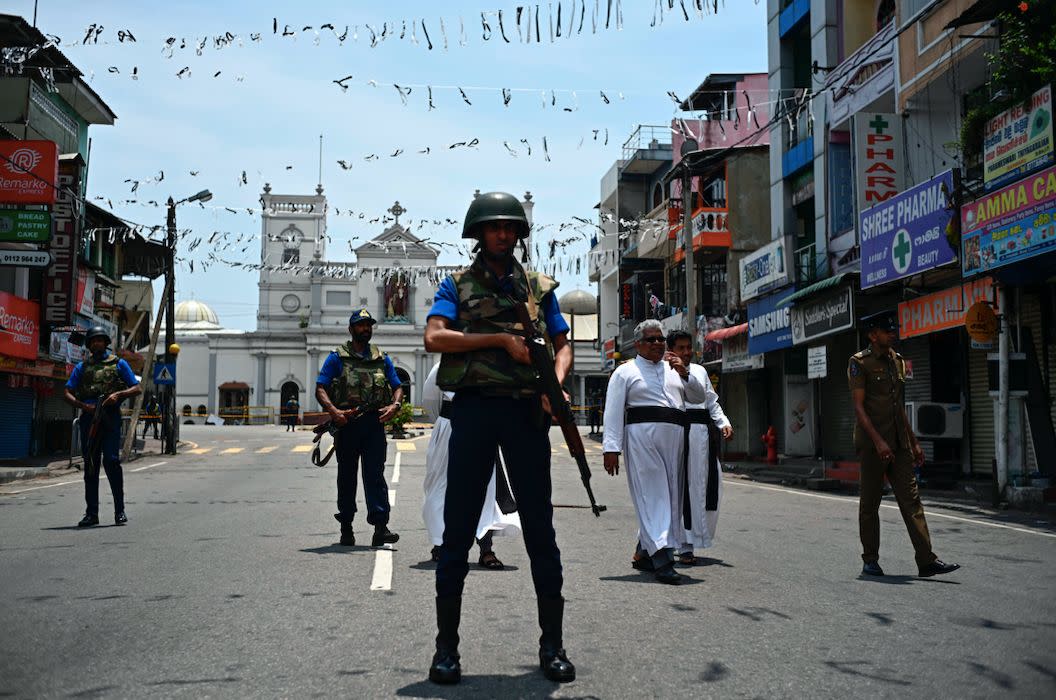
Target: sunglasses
{"type": "Point", "coordinates": [654, 339]}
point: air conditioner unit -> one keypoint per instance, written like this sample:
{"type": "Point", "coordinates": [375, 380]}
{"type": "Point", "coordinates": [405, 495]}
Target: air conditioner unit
{"type": "Point", "coordinates": [935, 420]}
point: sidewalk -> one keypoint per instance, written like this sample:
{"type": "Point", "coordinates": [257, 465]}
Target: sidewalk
{"type": "Point", "coordinates": [58, 465]}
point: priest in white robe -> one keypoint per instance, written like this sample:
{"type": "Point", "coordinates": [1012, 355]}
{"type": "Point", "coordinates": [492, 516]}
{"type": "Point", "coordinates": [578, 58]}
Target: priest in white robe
{"type": "Point", "coordinates": [492, 518]}
{"type": "Point", "coordinates": [707, 422]}
{"type": "Point", "coordinates": [645, 420]}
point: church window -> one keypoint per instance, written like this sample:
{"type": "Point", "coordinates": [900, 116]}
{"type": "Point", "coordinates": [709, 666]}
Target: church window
{"type": "Point", "coordinates": [291, 256]}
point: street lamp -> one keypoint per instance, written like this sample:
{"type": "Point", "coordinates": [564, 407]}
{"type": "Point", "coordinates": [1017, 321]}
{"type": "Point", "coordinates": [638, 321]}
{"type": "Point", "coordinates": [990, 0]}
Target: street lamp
{"type": "Point", "coordinates": [170, 422]}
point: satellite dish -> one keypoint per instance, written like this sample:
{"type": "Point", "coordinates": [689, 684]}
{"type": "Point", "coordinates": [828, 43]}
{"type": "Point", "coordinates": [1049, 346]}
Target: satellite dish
{"type": "Point", "coordinates": [689, 146]}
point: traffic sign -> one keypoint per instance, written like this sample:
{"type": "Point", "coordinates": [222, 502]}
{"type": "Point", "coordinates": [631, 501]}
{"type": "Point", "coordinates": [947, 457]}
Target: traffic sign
{"type": "Point", "coordinates": [165, 374]}
{"type": "Point", "coordinates": [25, 258]}
{"type": "Point", "coordinates": [24, 226]}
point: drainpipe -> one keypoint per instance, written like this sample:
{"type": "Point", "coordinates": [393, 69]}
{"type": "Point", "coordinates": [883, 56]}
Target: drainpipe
{"type": "Point", "coordinates": [1001, 429]}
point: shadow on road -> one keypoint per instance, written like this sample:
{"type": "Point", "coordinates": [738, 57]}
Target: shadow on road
{"type": "Point", "coordinates": [904, 580]}
{"type": "Point", "coordinates": [648, 578]}
{"type": "Point", "coordinates": [430, 565]}
{"type": "Point", "coordinates": [705, 561]}
{"type": "Point", "coordinates": [336, 548]}
{"type": "Point", "coordinates": [81, 529]}
{"type": "Point", "coordinates": [527, 685]}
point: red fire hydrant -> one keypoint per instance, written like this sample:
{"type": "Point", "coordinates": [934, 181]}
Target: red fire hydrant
{"type": "Point", "coordinates": [770, 440]}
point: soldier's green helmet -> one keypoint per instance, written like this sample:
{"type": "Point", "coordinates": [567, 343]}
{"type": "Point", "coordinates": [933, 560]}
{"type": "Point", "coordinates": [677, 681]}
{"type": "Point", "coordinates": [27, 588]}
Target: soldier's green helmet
{"type": "Point", "coordinates": [96, 332]}
{"type": "Point", "coordinates": [494, 206]}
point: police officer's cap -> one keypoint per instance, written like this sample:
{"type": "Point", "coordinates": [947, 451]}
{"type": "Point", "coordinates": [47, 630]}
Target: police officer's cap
{"type": "Point", "coordinates": [96, 332]}
{"type": "Point", "coordinates": [360, 315]}
{"type": "Point", "coordinates": [884, 320]}
{"type": "Point", "coordinates": [494, 206]}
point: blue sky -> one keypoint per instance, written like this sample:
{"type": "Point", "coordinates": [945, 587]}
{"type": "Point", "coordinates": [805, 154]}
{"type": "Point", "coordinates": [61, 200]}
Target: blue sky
{"type": "Point", "coordinates": [273, 98]}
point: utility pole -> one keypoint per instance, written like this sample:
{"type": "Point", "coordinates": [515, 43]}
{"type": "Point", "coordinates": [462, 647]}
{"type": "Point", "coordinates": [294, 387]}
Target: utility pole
{"type": "Point", "coordinates": [169, 411]}
{"type": "Point", "coordinates": [687, 248]}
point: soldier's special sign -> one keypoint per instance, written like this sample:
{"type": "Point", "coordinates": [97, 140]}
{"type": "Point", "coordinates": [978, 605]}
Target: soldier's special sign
{"type": "Point", "coordinates": [906, 234]}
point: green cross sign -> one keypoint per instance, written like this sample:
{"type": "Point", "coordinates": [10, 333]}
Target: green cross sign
{"type": "Point", "coordinates": [879, 124]}
{"type": "Point", "coordinates": [902, 251]}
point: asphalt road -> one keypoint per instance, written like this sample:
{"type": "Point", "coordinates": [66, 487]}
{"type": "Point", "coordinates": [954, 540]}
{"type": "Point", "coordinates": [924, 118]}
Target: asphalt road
{"type": "Point", "coordinates": [227, 582]}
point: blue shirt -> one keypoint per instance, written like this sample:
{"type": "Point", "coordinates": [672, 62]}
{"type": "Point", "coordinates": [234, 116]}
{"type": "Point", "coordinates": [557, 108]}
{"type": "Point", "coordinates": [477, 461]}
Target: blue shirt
{"type": "Point", "coordinates": [332, 369]}
{"type": "Point", "coordinates": [445, 304]}
{"type": "Point", "coordinates": [123, 371]}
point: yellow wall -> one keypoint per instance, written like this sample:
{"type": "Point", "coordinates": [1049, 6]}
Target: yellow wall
{"type": "Point", "coordinates": [859, 24]}
{"type": "Point", "coordinates": [928, 49]}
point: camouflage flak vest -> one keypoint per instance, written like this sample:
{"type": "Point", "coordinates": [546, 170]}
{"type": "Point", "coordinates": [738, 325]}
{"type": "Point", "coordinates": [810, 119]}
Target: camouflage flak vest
{"type": "Point", "coordinates": [362, 381]}
{"type": "Point", "coordinates": [484, 308]}
{"type": "Point", "coordinates": [99, 379]}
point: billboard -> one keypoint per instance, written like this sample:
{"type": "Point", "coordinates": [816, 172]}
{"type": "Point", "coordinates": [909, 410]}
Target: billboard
{"type": "Point", "coordinates": [29, 171]}
{"type": "Point", "coordinates": [1018, 141]}
{"type": "Point", "coordinates": [878, 162]}
{"type": "Point", "coordinates": [764, 269]}
{"type": "Point", "coordinates": [66, 223]}
{"type": "Point", "coordinates": [769, 327]}
{"type": "Point", "coordinates": [19, 326]}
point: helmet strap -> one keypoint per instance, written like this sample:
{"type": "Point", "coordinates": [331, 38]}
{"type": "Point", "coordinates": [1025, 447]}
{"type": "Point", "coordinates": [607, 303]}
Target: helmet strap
{"type": "Point", "coordinates": [524, 252]}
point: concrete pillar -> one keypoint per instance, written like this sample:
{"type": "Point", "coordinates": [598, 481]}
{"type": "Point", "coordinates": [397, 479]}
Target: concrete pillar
{"type": "Point", "coordinates": [211, 400]}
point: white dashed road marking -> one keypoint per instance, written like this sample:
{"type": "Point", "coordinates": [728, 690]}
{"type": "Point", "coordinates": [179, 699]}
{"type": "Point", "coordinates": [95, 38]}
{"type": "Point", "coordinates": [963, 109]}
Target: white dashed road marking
{"type": "Point", "coordinates": [149, 466]}
{"type": "Point", "coordinates": [382, 579]}
{"type": "Point", "coordinates": [396, 468]}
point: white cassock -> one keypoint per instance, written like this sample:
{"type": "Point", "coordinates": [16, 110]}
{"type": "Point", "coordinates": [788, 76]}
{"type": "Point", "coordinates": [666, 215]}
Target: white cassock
{"type": "Point", "coordinates": [491, 516]}
{"type": "Point", "coordinates": [704, 521]}
{"type": "Point", "coordinates": [652, 451]}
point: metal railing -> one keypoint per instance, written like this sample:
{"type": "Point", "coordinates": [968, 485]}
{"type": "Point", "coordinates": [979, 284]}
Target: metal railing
{"type": "Point", "coordinates": [806, 261]}
{"type": "Point", "coordinates": [646, 137]}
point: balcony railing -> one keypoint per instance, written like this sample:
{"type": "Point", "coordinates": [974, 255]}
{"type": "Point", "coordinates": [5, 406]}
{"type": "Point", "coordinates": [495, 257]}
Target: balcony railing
{"type": "Point", "coordinates": [646, 138]}
{"type": "Point", "coordinates": [807, 263]}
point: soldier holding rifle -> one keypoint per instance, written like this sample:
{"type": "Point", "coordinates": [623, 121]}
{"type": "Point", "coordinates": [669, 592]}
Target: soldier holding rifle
{"type": "Point", "coordinates": [474, 323]}
{"type": "Point", "coordinates": [97, 386]}
{"type": "Point", "coordinates": [359, 388]}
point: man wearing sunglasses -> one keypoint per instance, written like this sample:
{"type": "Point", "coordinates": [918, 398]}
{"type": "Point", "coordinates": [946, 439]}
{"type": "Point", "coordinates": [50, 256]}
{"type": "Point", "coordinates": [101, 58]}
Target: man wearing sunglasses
{"type": "Point", "coordinates": [645, 418]}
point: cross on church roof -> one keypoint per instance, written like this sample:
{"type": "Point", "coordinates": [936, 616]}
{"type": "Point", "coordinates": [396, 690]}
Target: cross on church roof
{"type": "Point", "coordinates": [396, 211]}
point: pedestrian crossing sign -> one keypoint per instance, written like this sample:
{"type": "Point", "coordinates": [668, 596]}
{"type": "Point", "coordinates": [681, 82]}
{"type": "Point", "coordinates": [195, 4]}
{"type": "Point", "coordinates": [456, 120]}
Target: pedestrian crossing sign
{"type": "Point", "coordinates": [165, 374]}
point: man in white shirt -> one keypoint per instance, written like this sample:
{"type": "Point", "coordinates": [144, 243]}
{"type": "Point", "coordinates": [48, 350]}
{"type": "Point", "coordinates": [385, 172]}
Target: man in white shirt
{"type": "Point", "coordinates": [645, 418]}
{"type": "Point", "coordinates": [707, 421]}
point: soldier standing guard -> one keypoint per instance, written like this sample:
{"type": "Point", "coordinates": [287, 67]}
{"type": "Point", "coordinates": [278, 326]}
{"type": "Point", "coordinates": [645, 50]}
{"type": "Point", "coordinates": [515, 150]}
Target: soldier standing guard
{"type": "Point", "coordinates": [886, 445]}
{"type": "Point", "coordinates": [97, 386]}
{"type": "Point", "coordinates": [359, 376]}
{"type": "Point", "coordinates": [497, 403]}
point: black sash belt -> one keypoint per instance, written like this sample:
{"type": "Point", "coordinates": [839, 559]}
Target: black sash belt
{"type": "Point", "coordinates": [701, 416]}
{"type": "Point", "coordinates": [663, 414]}
{"type": "Point", "coordinates": [655, 414]}
{"type": "Point", "coordinates": [445, 409]}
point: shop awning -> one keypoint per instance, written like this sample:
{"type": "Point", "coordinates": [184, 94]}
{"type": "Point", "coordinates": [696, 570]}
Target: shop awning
{"type": "Point", "coordinates": [809, 290]}
{"type": "Point", "coordinates": [234, 386]}
{"type": "Point", "coordinates": [728, 332]}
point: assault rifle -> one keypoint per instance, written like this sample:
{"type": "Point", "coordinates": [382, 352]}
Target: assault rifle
{"type": "Point", "coordinates": [91, 462]}
{"type": "Point", "coordinates": [332, 428]}
{"type": "Point", "coordinates": [562, 412]}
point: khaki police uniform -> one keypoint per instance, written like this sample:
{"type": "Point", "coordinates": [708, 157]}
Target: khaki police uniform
{"type": "Point", "coordinates": [882, 375]}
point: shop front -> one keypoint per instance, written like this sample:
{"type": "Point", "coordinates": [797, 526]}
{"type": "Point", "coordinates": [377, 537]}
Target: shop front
{"type": "Point", "coordinates": [734, 389]}
{"type": "Point", "coordinates": [769, 336]}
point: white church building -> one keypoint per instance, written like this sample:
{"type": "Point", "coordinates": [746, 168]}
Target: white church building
{"type": "Point", "coordinates": [302, 315]}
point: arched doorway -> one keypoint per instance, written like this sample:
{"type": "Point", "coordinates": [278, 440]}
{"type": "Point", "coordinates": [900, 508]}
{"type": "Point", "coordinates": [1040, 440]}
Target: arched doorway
{"type": "Point", "coordinates": [289, 390]}
{"type": "Point", "coordinates": [405, 378]}
{"type": "Point", "coordinates": [289, 413]}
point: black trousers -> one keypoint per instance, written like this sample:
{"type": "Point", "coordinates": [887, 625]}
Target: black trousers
{"type": "Point", "coordinates": [362, 440]}
{"type": "Point", "coordinates": [478, 425]}
{"type": "Point", "coordinates": [107, 452]}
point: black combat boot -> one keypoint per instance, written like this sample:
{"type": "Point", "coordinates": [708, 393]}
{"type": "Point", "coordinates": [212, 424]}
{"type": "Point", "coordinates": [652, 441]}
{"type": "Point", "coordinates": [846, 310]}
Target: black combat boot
{"type": "Point", "coordinates": [446, 668]}
{"type": "Point", "coordinates": [552, 660]}
{"type": "Point", "coordinates": [348, 537]}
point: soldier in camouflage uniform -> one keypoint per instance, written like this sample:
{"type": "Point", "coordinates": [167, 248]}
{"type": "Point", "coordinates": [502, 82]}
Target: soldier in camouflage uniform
{"type": "Point", "coordinates": [886, 445]}
{"type": "Point", "coordinates": [357, 375]}
{"type": "Point", "coordinates": [497, 403]}
{"type": "Point", "coordinates": [100, 383]}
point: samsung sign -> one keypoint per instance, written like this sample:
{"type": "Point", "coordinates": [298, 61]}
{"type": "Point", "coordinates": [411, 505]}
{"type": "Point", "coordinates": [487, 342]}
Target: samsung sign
{"type": "Point", "coordinates": [769, 327]}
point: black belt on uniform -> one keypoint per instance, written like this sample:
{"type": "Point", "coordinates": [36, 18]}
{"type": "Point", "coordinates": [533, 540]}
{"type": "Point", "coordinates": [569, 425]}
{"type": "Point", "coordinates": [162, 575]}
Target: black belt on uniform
{"type": "Point", "coordinates": [655, 414]}
{"type": "Point", "coordinates": [445, 409]}
{"type": "Point", "coordinates": [663, 414]}
{"type": "Point", "coordinates": [701, 416]}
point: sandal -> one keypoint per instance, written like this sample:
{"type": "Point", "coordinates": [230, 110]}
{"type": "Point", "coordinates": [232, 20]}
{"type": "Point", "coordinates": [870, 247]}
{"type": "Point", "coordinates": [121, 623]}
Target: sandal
{"type": "Point", "coordinates": [641, 562]}
{"type": "Point", "coordinates": [687, 559]}
{"type": "Point", "coordinates": [488, 560]}
{"type": "Point", "coordinates": [434, 554]}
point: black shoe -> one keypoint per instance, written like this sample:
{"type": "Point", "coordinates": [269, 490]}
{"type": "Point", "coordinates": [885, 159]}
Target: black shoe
{"type": "Point", "coordinates": [383, 536]}
{"type": "Point", "coordinates": [872, 568]}
{"type": "Point", "coordinates": [120, 518]}
{"type": "Point", "coordinates": [348, 537]}
{"type": "Point", "coordinates": [937, 567]}
{"type": "Point", "coordinates": [445, 668]}
{"type": "Point", "coordinates": [88, 520]}
{"type": "Point", "coordinates": [552, 659]}
{"type": "Point", "coordinates": [668, 575]}
{"type": "Point", "coordinates": [642, 562]}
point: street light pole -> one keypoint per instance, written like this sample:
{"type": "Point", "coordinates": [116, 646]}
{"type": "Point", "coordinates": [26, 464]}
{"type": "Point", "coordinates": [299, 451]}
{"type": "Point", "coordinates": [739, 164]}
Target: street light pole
{"type": "Point", "coordinates": [169, 420]}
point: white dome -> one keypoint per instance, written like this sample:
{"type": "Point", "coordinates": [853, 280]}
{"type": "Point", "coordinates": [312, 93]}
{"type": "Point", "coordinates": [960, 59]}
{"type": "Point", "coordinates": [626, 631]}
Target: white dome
{"type": "Point", "coordinates": [194, 315]}
{"type": "Point", "coordinates": [578, 302]}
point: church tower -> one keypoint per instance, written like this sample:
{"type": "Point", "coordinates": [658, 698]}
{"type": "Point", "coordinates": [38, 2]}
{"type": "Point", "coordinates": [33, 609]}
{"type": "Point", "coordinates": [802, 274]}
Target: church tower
{"type": "Point", "coordinates": [293, 235]}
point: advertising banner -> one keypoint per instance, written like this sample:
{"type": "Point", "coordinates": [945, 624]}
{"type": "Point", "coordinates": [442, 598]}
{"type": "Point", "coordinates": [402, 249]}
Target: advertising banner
{"type": "Point", "coordinates": [59, 278]}
{"type": "Point", "coordinates": [942, 310]}
{"type": "Point", "coordinates": [764, 269]}
{"type": "Point", "coordinates": [735, 357]}
{"type": "Point", "coordinates": [1009, 225]}
{"type": "Point", "coordinates": [28, 172]}
{"type": "Point", "coordinates": [769, 327]}
{"type": "Point", "coordinates": [19, 326]}
{"type": "Point", "coordinates": [25, 226]}
{"type": "Point", "coordinates": [906, 234]}
{"type": "Point", "coordinates": [879, 167]}
{"type": "Point", "coordinates": [829, 314]}
{"type": "Point", "coordinates": [1018, 141]}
